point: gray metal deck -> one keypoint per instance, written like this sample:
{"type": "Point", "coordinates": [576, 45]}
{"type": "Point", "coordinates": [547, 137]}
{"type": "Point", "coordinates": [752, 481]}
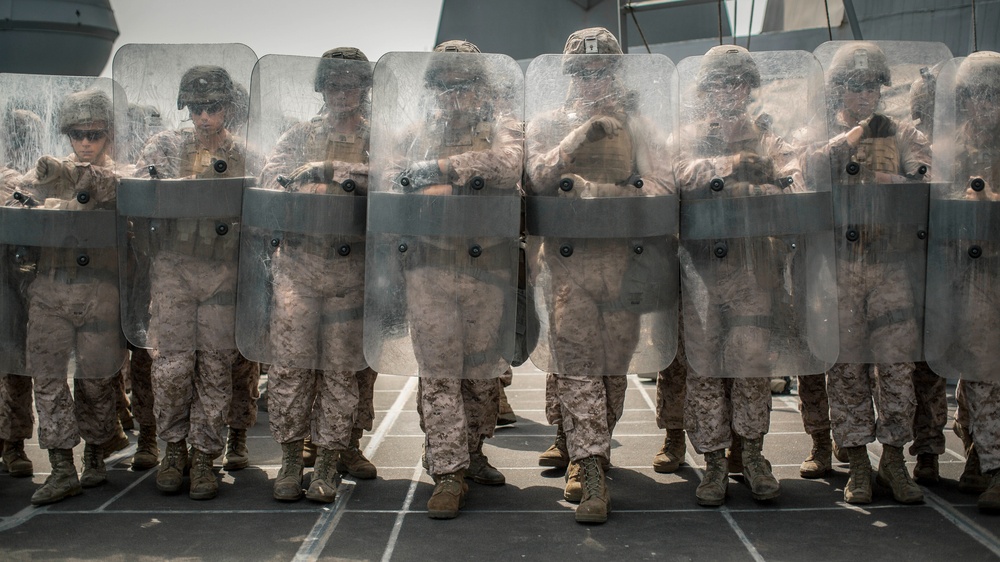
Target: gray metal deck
{"type": "Point", "coordinates": [654, 515]}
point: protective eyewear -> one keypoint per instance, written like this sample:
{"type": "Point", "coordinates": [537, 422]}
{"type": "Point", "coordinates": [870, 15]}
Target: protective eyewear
{"type": "Point", "coordinates": [92, 135]}
{"type": "Point", "coordinates": [210, 108]}
{"type": "Point", "coordinates": [859, 87]}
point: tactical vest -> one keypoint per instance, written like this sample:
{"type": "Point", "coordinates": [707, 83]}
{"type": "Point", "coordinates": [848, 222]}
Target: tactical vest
{"type": "Point", "coordinates": [879, 154]}
{"type": "Point", "coordinates": [609, 160]}
{"type": "Point", "coordinates": [325, 145]}
{"type": "Point", "coordinates": [450, 141]}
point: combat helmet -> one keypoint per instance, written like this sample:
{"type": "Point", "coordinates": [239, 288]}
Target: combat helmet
{"type": "Point", "coordinates": [859, 62]}
{"type": "Point", "coordinates": [87, 106]}
{"type": "Point", "coordinates": [978, 76]}
{"type": "Point", "coordinates": [725, 64]}
{"type": "Point", "coordinates": [442, 71]}
{"type": "Point", "coordinates": [205, 84]}
{"type": "Point", "coordinates": [590, 41]}
{"type": "Point", "coordinates": [332, 72]}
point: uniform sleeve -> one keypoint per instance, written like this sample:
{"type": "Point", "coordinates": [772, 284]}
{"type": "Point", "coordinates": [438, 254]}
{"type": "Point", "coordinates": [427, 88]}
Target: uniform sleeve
{"type": "Point", "coordinates": [288, 154]}
{"type": "Point", "coordinates": [915, 152]}
{"type": "Point", "coordinates": [163, 152]}
{"type": "Point", "coordinates": [546, 162]}
{"type": "Point", "coordinates": [500, 165]}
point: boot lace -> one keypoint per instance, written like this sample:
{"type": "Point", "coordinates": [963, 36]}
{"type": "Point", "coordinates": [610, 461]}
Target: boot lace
{"type": "Point", "coordinates": [591, 476]}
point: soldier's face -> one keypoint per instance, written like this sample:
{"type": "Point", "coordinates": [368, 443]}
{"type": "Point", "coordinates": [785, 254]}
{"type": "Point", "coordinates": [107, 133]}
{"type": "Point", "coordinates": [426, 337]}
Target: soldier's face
{"type": "Point", "coordinates": [861, 99]}
{"type": "Point", "coordinates": [89, 140]}
{"type": "Point", "coordinates": [343, 99]}
{"type": "Point", "coordinates": [208, 118]}
{"type": "Point", "coordinates": [984, 107]}
{"type": "Point", "coordinates": [727, 97]}
{"type": "Point", "coordinates": [456, 95]}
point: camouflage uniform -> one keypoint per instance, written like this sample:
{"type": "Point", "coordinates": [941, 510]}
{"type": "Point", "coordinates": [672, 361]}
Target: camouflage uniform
{"type": "Point", "coordinates": [192, 389]}
{"type": "Point", "coordinates": [318, 294]}
{"type": "Point", "coordinates": [814, 405]}
{"type": "Point", "coordinates": [671, 389]}
{"type": "Point", "coordinates": [243, 406]}
{"type": "Point", "coordinates": [16, 417]}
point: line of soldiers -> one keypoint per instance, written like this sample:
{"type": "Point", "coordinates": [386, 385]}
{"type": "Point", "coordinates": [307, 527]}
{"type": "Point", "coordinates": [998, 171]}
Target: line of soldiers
{"type": "Point", "coordinates": [398, 213]}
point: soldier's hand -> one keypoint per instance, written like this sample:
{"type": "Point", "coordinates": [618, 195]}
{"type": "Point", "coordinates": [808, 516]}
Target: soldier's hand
{"type": "Point", "coordinates": [753, 168]}
{"type": "Point", "coordinates": [601, 127]}
{"type": "Point", "coordinates": [49, 169]}
{"type": "Point", "coordinates": [313, 172]}
{"type": "Point", "coordinates": [422, 174]}
{"type": "Point", "coordinates": [879, 126]}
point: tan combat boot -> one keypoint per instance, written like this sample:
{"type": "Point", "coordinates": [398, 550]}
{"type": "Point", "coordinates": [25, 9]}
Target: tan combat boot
{"type": "Point", "coordinates": [308, 453]}
{"type": "Point", "coordinates": [147, 453]}
{"type": "Point", "coordinates": [840, 453]}
{"type": "Point", "coordinates": [95, 472]}
{"type": "Point", "coordinates": [62, 481]}
{"type": "Point", "coordinates": [820, 460]}
{"type": "Point", "coordinates": [671, 455]}
{"type": "Point", "coordinates": [204, 484]}
{"type": "Point", "coordinates": [115, 444]}
{"type": "Point", "coordinates": [573, 492]}
{"type": "Point", "coordinates": [859, 483]}
{"type": "Point", "coordinates": [448, 497]}
{"type": "Point", "coordinates": [325, 478]}
{"type": "Point", "coordinates": [353, 461]}
{"type": "Point", "coordinates": [989, 501]}
{"type": "Point", "coordinates": [16, 461]}
{"type": "Point", "coordinates": [237, 455]}
{"type": "Point", "coordinates": [973, 481]}
{"type": "Point", "coordinates": [506, 414]}
{"type": "Point", "coordinates": [288, 484]}
{"type": "Point", "coordinates": [757, 471]}
{"type": "Point", "coordinates": [171, 474]}
{"type": "Point", "coordinates": [712, 490]}
{"type": "Point", "coordinates": [926, 471]}
{"type": "Point", "coordinates": [892, 474]}
{"type": "Point", "coordinates": [557, 456]}
{"type": "Point", "coordinates": [596, 501]}
{"type": "Point", "coordinates": [481, 471]}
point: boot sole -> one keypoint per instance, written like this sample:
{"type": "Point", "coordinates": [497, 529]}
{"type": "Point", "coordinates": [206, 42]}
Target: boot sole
{"type": "Point", "coordinates": [442, 514]}
{"type": "Point", "coordinates": [765, 497]}
{"type": "Point", "coordinates": [711, 503]}
{"type": "Point", "coordinates": [203, 495]}
{"type": "Point", "coordinates": [76, 491]}
{"type": "Point", "coordinates": [27, 473]}
{"type": "Point", "coordinates": [171, 489]}
{"type": "Point", "coordinates": [592, 518]}
{"type": "Point", "coordinates": [884, 486]}
{"type": "Point", "coordinates": [281, 498]}
{"type": "Point", "coordinates": [814, 474]}
{"type": "Point", "coordinates": [359, 475]}
{"type": "Point", "coordinates": [669, 468]}
{"type": "Point", "coordinates": [234, 466]}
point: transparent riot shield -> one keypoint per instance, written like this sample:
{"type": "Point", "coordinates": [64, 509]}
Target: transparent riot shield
{"type": "Point", "coordinates": [756, 257]}
{"type": "Point", "coordinates": [962, 321]}
{"type": "Point", "coordinates": [601, 213]}
{"type": "Point", "coordinates": [302, 257]}
{"type": "Point", "coordinates": [60, 312]}
{"type": "Point", "coordinates": [179, 215]}
{"type": "Point", "coordinates": [443, 215]}
{"type": "Point", "coordinates": [880, 163]}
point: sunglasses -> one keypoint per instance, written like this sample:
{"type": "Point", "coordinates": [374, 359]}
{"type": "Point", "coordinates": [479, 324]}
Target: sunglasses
{"type": "Point", "coordinates": [210, 108]}
{"type": "Point", "coordinates": [858, 87]}
{"type": "Point", "coordinates": [92, 135]}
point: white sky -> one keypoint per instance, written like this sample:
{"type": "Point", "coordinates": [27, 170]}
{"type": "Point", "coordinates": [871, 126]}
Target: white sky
{"type": "Point", "coordinates": [288, 27]}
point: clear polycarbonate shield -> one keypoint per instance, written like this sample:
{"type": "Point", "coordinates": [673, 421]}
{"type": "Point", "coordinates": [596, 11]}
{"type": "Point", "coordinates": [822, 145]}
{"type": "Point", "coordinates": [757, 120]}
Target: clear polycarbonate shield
{"type": "Point", "coordinates": [756, 257]}
{"type": "Point", "coordinates": [962, 328]}
{"type": "Point", "coordinates": [601, 213]}
{"type": "Point", "coordinates": [59, 301]}
{"type": "Point", "coordinates": [880, 163]}
{"type": "Point", "coordinates": [179, 215]}
{"type": "Point", "coordinates": [443, 214]}
{"type": "Point", "coordinates": [301, 288]}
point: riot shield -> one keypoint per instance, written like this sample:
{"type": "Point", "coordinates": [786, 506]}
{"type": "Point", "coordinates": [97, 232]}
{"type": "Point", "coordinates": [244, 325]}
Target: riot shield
{"type": "Point", "coordinates": [59, 301]}
{"type": "Point", "coordinates": [756, 257]}
{"type": "Point", "coordinates": [962, 328]}
{"type": "Point", "coordinates": [179, 216]}
{"type": "Point", "coordinates": [601, 213]}
{"type": "Point", "coordinates": [443, 215]}
{"type": "Point", "coordinates": [302, 256]}
{"type": "Point", "coordinates": [880, 163]}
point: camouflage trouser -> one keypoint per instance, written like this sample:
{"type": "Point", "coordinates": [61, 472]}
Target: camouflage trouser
{"type": "Point", "coordinates": [671, 388]}
{"type": "Point", "coordinates": [591, 407]}
{"type": "Point", "coordinates": [192, 391]}
{"type": "Point", "coordinates": [507, 377]}
{"type": "Point", "coordinates": [983, 400]}
{"type": "Point", "coordinates": [813, 404]}
{"type": "Point", "coordinates": [364, 417]}
{"type": "Point", "coordinates": [615, 388]}
{"type": "Point", "coordinates": [325, 401]}
{"type": "Point", "coordinates": [854, 391]}
{"type": "Point", "coordinates": [16, 417]}
{"type": "Point", "coordinates": [192, 307]}
{"type": "Point", "coordinates": [63, 418]}
{"type": "Point", "coordinates": [715, 408]}
{"type": "Point", "coordinates": [962, 411]}
{"type": "Point", "coordinates": [456, 415]}
{"type": "Point", "coordinates": [932, 411]}
{"type": "Point", "coordinates": [139, 372]}
{"type": "Point", "coordinates": [243, 407]}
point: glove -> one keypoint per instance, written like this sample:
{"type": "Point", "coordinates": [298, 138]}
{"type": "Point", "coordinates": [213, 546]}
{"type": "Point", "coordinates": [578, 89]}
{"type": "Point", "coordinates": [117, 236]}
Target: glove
{"type": "Point", "coordinates": [422, 174]}
{"type": "Point", "coordinates": [313, 172]}
{"type": "Point", "coordinates": [880, 126]}
{"type": "Point", "coordinates": [595, 129]}
{"type": "Point", "coordinates": [754, 168]}
{"type": "Point", "coordinates": [50, 169]}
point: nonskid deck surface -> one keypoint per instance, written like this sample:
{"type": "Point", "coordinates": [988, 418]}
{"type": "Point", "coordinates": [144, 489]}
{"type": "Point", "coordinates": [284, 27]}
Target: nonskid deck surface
{"type": "Point", "coordinates": [653, 515]}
